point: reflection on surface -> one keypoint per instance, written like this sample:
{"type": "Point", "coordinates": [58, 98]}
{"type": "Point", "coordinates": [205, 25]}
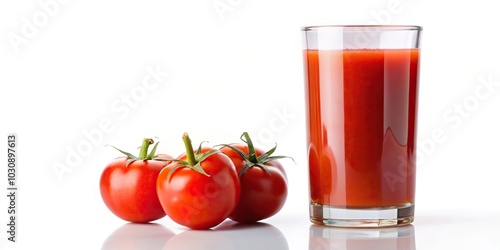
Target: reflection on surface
{"type": "Point", "coordinates": [231, 235]}
{"type": "Point", "coordinates": [395, 238]}
{"type": "Point", "coordinates": [138, 236]}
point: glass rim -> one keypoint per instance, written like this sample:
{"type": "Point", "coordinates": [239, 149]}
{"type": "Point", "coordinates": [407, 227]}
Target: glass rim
{"type": "Point", "coordinates": [364, 27]}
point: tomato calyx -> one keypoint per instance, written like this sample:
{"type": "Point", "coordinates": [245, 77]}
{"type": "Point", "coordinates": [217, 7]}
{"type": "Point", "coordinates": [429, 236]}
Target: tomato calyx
{"type": "Point", "coordinates": [251, 159]}
{"type": "Point", "coordinates": [193, 159]}
{"type": "Point", "coordinates": [143, 152]}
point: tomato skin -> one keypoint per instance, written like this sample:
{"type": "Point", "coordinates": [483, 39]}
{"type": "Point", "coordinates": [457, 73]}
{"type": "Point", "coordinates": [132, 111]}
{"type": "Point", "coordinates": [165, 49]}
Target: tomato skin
{"type": "Point", "coordinates": [130, 191]}
{"type": "Point", "coordinates": [197, 201]}
{"type": "Point", "coordinates": [262, 195]}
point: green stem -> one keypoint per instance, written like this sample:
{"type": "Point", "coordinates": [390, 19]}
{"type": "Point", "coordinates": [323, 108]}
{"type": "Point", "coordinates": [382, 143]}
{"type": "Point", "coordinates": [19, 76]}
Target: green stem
{"type": "Point", "coordinates": [251, 150]}
{"type": "Point", "coordinates": [143, 154]}
{"type": "Point", "coordinates": [189, 150]}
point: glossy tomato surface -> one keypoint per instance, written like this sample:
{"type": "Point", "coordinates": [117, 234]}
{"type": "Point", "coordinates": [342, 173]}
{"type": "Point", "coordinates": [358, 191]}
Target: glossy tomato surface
{"type": "Point", "coordinates": [262, 194]}
{"type": "Point", "coordinates": [196, 200]}
{"type": "Point", "coordinates": [130, 191]}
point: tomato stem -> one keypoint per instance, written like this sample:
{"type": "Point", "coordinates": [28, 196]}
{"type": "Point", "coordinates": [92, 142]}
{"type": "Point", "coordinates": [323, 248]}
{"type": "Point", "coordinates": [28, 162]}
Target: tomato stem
{"type": "Point", "coordinates": [143, 153]}
{"type": "Point", "coordinates": [252, 156]}
{"type": "Point", "coordinates": [189, 150]}
{"type": "Point", "coordinates": [193, 160]}
{"type": "Point", "coordinates": [251, 159]}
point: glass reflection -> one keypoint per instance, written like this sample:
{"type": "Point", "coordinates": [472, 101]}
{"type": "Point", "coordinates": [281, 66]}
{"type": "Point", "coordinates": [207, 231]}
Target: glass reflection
{"type": "Point", "coordinates": [138, 236]}
{"type": "Point", "coordinates": [231, 235]}
{"type": "Point", "coordinates": [394, 238]}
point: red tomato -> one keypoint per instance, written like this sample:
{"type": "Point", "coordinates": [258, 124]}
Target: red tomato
{"type": "Point", "coordinates": [201, 190]}
{"type": "Point", "coordinates": [263, 193]}
{"type": "Point", "coordinates": [128, 188]}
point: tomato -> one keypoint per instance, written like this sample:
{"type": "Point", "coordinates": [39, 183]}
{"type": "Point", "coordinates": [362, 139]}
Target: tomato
{"type": "Point", "coordinates": [200, 189]}
{"type": "Point", "coordinates": [128, 185]}
{"type": "Point", "coordinates": [262, 178]}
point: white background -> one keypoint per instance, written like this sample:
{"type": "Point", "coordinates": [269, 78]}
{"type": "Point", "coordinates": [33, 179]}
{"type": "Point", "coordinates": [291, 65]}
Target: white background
{"type": "Point", "coordinates": [233, 70]}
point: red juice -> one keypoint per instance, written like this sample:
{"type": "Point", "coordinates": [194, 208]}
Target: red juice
{"type": "Point", "coordinates": [361, 126]}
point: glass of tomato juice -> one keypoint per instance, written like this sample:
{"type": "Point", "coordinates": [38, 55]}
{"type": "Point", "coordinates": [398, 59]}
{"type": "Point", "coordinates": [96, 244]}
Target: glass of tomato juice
{"type": "Point", "coordinates": [361, 84]}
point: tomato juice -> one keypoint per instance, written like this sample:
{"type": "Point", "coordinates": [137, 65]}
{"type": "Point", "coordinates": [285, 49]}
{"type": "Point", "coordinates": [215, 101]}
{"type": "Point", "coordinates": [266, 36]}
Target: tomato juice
{"type": "Point", "coordinates": [361, 126]}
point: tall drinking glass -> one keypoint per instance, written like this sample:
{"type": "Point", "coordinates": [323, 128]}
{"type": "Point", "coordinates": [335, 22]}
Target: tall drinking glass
{"type": "Point", "coordinates": [361, 95]}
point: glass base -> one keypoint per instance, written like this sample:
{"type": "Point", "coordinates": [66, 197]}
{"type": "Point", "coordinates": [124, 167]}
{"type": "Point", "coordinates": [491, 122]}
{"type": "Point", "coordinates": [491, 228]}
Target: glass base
{"type": "Point", "coordinates": [368, 217]}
